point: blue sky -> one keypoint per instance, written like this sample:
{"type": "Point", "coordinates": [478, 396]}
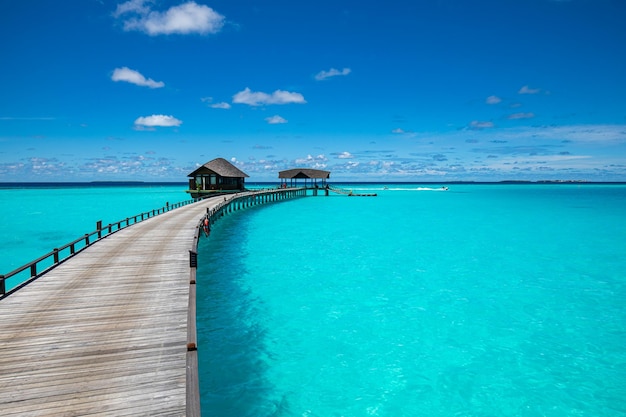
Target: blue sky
{"type": "Point", "coordinates": [423, 90]}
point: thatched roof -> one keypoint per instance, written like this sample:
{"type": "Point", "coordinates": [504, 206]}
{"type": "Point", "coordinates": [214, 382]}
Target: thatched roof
{"type": "Point", "coordinates": [304, 173]}
{"type": "Point", "coordinates": [221, 167]}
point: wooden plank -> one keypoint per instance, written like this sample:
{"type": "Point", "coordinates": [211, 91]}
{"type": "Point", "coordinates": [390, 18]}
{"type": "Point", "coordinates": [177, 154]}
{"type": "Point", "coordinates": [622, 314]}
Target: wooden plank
{"type": "Point", "coordinates": [193, 385]}
{"type": "Point", "coordinates": [106, 331]}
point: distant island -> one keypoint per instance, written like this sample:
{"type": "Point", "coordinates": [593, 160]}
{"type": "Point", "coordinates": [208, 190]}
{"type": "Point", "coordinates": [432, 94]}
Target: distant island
{"type": "Point", "coordinates": [542, 181]}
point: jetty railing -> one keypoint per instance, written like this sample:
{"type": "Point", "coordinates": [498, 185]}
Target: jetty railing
{"type": "Point", "coordinates": [192, 402]}
{"type": "Point", "coordinates": [34, 269]}
{"type": "Point", "coordinates": [230, 204]}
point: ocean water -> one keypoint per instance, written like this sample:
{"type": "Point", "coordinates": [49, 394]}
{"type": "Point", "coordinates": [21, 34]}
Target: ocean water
{"type": "Point", "coordinates": [36, 218]}
{"type": "Point", "coordinates": [484, 300]}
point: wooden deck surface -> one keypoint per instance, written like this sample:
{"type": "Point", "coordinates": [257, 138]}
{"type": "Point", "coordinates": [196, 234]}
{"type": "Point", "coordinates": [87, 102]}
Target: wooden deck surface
{"type": "Point", "coordinates": [105, 332]}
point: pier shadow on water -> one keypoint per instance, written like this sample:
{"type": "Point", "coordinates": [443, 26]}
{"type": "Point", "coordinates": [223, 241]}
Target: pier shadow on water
{"type": "Point", "coordinates": [231, 346]}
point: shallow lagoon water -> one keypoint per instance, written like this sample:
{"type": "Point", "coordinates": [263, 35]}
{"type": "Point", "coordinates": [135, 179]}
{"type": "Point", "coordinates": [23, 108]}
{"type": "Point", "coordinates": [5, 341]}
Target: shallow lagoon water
{"type": "Point", "coordinates": [484, 300]}
{"type": "Point", "coordinates": [480, 301]}
{"type": "Point", "coordinates": [36, 218]}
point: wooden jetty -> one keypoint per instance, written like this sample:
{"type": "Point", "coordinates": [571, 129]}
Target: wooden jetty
{"type": "Point", "coordinates": [311, 177]}
{"type": "Point", "coordinates": [111, 332]}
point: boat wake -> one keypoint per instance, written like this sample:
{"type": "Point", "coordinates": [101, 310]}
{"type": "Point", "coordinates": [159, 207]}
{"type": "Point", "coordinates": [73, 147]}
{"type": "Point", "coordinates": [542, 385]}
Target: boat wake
{"type": "Point", "coordinates": [385, 188]}
{"type": "Point", "coordinates": [415, 189]}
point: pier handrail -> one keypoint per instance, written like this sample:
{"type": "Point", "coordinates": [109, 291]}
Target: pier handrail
{"type": "Point", "coordinates": [193, 383]}
{"type": "Point", "coordinates": [62, 253]}
{"type": "Point", "coordinates": [192, 402]}
{"type": "Point", "coordinates": [230, 203]}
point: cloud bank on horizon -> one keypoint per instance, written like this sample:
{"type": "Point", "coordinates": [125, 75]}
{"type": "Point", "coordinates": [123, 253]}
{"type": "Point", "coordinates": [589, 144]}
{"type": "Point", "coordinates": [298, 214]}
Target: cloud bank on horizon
{"type": "Point", "coordinates": [420, 96]}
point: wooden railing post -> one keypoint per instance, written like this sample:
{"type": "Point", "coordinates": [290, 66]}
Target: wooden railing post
{"type": "Point", "coordinates": [57, 253]}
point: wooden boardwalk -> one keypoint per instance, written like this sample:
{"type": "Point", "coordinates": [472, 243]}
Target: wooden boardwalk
{"type": "Point", "coordinates": [105, 333]}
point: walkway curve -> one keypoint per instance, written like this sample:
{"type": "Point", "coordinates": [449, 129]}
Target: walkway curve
{"type": "Point", "coordinates": [105, 332]}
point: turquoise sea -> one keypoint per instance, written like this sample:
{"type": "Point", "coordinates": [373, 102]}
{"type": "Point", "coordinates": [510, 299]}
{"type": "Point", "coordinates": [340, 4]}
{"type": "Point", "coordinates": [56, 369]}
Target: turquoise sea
{"type": "Point", "coordinates": [36, 218]}
{"type": "Point", "coordinates": [483, 300]}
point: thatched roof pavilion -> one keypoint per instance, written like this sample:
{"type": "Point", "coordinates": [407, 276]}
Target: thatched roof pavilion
{"type": "Point", "coordinates": [217, 175]}
{"type": "Point", "coordinates": [291, 175]}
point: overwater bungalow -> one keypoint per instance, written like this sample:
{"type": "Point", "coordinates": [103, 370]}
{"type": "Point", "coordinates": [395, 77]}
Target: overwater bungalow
{"type": "Point", "coordinates": [293, 175]}
{"type": "Point", "coordinates": [216, 176]}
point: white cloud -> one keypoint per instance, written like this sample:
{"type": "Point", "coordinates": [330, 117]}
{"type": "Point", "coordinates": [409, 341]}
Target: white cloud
{"type": "Point", "coordinates": [185, 18]}
{"type": "Point", "coordinates": [131, 6]}
{"type": "Point", "coordinates": [209, 101]}
{"type": "Point", "coordinates": [345, 155]}
{"type": "Point", "coordinates": [258, 98]}
{"type": "Point", "coordinates": [351, 165]}
{"type": "Point", "coordinates": [134, 77]}
{"type": "Point", "coordinates": [274, 120]}
{"type": "Point", "coordinates": [493, 100]}
{"type": "Point", "coordinates": [476, 124]}
{"type": "Point", "coordinates": [577, 133]}
{"type": "Point", "coordinates": [398, 131]}
{"type": "Point", "coordinates": [536, 163]}
{"type": "Point", "coordinates": [158, 120]}
{"type": "Point", "coordinates": [527, 90]}
{"type": "Point", "coordinates": [601, 134]}
{"type": "Point", "coordinates": [322, 75]}
{"type": "Point", "coordinates": [516, 116]}
{"type": "Point", "coordinates": [316, 162]}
